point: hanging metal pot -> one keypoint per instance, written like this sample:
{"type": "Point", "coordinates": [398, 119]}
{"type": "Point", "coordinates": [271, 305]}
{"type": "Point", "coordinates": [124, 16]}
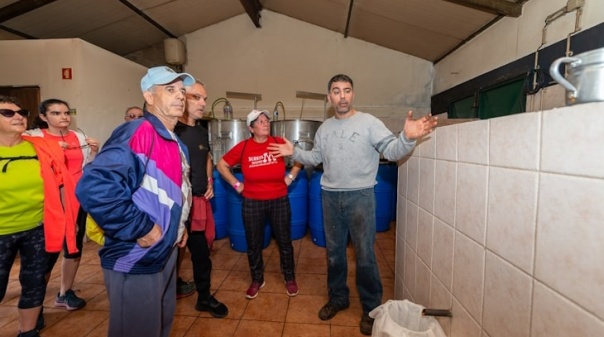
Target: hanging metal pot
{"type": "Point", "coordinates": [224, 134]}
{"type": "Point", "coordinates": [585, 81]}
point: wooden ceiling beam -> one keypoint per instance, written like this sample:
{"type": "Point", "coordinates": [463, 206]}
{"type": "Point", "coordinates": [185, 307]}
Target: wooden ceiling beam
{"type": "Point", "coordinates": [350, 5]}
{"type": "Point", "coordinates": [21, 7]}
{"type": "Point", "coordinates": [499, 7]}
{"type": "Point", "coordinates": [253, 8]}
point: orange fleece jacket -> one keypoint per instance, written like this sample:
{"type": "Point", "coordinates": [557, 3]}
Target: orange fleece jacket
{"type": "Point", "coordinates": [60, 203]}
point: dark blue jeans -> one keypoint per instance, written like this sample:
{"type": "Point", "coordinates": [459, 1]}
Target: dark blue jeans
{"type": "Point", "coordinates": [351, 213]}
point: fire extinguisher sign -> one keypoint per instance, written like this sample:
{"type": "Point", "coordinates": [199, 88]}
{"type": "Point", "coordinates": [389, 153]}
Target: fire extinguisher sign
{"type": "Point", "coordinates": [66, 73]}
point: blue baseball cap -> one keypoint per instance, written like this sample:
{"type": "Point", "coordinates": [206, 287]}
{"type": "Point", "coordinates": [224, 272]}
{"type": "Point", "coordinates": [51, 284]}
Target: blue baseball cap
{"type": "Point", "coordinates": [164, 75]}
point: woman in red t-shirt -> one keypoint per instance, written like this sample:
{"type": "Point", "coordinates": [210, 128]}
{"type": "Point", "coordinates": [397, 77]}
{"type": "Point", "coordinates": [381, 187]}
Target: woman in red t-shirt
{"type": "Point", "coordinates": [54, 120]}
{"type": "Point", "coordinates": [264, 191]}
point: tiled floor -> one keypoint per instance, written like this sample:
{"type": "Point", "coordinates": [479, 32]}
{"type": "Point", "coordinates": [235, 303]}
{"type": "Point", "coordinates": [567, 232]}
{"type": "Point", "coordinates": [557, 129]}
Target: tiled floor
{"type": "Point", "coordinates": [272, 313]}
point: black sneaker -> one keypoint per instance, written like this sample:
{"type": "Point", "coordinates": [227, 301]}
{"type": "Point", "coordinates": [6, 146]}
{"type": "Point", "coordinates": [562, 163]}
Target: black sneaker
{"type": "Point", "coordinates": [211, 305]}
{"type": "Point", "coordinates": [184, 288]}
{"type": "Point", "coordinates": [330, 309]}
{"type": "Point", "coordinates": [366, 325]}
{"type": "Point", "coordinates": [69, 301]}
{"type": "Point", "coordinates": [30, 333]}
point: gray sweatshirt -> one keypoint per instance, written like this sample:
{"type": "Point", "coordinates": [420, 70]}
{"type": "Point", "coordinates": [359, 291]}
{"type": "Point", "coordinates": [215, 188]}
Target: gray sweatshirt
{"type": "Point", "coordinates": [350, 151]}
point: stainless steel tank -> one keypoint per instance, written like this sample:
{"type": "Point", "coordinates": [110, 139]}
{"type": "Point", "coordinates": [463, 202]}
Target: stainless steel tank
{"type": "Point", "coordinates": [300, 132]}
{"type": "Point", "coordinates": [224, 134]}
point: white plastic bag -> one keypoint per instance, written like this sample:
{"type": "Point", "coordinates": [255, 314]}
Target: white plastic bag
{"type": "Point", "coordinates": [403, 319]}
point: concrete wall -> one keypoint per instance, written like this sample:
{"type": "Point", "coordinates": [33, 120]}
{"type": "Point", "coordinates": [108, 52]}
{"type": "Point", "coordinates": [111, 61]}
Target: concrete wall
{"type": "Point", "coordinates": [103, 83]}
{"type": "Point", "coordinates": [501, 220]}
{"type": "Point", "coordinates": [287, 55]}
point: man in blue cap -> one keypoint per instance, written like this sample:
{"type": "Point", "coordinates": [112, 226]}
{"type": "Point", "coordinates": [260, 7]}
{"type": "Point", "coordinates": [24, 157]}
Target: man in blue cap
{"type": "Point", "coordinates": [137, 189]}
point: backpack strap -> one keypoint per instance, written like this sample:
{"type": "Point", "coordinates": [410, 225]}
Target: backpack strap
{"type": "Point", "coordinates": [10, 159]}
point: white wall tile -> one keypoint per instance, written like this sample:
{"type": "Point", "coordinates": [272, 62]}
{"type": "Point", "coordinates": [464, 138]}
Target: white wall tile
{"type": "Point", "coordinates": [507, 299]}
{"type": "Point", "coordinates": [462, 324]}
{"type": "Point", "coordinates": [440, 296]}
{"type": "Point", "coordinates": [570, 239]}
{"type": "Point", "coordinates": [514, 141]}
{"type": "Point", "coordinates": [446, 142]}
{"type": "Point", "coordinates": [409, 277]}
{"type": "Point", "coordinates": [471, 206]}
{"type": "Point", "coordinates": [413, 179]}
{"type": "Point", "coordinates": [444, 194]}
{"type": "Point", "coordinates": [399, 286]}
{"type": "Point", "coordinates": [426, 184]}
{"type": "Point", "coordinates": [572, 140]}
{"type": "Point", "coordinates": [473, 142]}
{"type": "Point", "coordinates": [422, 283]}
{"type": "Point", "coordinates": [425, 222]}
{"type": "Point", "coordinates": [399, 262]}
{"type": "Point", "coordinates": [442, 256]}
{"type": "Point", "coordinates": [411, 225]}
{"type": "Point", "coordinates": [512, 208]}
{"type": "Point", "coordinates": [401, 216]}
{"type": "Point", "coordinates": [468, 274]}
{"type": "Point", "coordinates": [402, 182]}
{"type": "Point", "coordinates": [427, 146]}
{"type": "Point", "coordinates": [556, 316]}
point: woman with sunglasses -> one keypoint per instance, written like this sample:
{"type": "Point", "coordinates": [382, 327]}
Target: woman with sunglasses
{"type": "Point", "coordinates": [32, 175]}
{"type": "Point", "coordinates": [55, 119]}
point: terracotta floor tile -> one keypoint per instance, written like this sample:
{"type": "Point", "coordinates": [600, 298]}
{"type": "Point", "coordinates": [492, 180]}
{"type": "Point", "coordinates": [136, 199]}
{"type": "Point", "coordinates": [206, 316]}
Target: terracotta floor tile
{"type": "Point", "coordinates": [237, 281]}
{"type": "Point", "coordinates": [76, 323]}
{"type": "Point", "coordinates": [259, 329]}
{"type": "Point", "coordinates": [258, 308]}
{"type": "Point", "coordinates": [272, 313]}
{"type": "Point", "coordinates": [305, 309]}
{"type": "Point", "coordinates": [350, 316]}
{"type": "Point", "coordinates": [305, 330]}
{"type": "Point", "coordinates": [181, 325]}
{"type": "Point", "coordinates": [345, 331]}
{"type": "Point", "coordinates": [312, 265]}
{"type": "Point", "coordinates": [224, 261]}
{"type": "Point", "coordinates": [312, 284]}
{"type": "Point", "coordinates": [212, 327]}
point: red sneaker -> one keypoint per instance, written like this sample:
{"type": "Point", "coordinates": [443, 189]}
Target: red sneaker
{"type": "Point", "coordinates": [292, 287]}
{"type": "Point", "coordinates": [252, 291]}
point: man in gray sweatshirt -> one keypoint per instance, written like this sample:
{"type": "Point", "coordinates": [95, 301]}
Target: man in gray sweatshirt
{"type": "Point", "coordinates": [349, 146]}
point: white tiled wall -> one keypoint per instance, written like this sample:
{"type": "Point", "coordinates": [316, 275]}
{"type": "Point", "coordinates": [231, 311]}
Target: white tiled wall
{"type": "Point", "coordinates": [502, 221]}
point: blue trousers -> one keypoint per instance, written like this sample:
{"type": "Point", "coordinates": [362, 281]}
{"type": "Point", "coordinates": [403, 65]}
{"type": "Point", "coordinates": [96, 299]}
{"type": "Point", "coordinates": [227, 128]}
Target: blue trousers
{"type": "Point", "coordinates": [351, 214]}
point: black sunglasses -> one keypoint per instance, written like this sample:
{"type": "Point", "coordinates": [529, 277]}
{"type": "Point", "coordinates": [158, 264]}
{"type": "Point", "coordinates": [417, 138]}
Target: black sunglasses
{"type": "Point", "coordinates": [8, 113]}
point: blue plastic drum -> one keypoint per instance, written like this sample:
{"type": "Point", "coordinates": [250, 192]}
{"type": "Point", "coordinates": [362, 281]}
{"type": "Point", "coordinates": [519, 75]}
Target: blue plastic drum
{"type": "Point", "coordinates": [235, 221]}
{"type": "Point", "coordinates": [298, 200]}
{"type": "Point", "coordinates": [219, 205]}
{"type": "Point", "coordinates": [315, 209]}
{"type": "Point", "coordinates": [385, 196]}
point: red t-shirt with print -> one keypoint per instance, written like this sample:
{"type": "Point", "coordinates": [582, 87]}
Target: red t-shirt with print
{"type": "Point", "coordinates": [263, 174]}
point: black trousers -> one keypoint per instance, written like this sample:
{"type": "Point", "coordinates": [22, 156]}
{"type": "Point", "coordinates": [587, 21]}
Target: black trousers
{"type": "Point", "coordinates": [202, 264]}
{"type": "Point", "coordinates": [278, 212]}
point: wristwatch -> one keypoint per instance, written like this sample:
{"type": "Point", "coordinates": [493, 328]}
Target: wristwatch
{"type": "Point", "coordinates": [290, 176]}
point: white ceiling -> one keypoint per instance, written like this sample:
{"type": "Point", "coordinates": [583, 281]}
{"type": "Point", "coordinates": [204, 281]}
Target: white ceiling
{"type": "Point", "coordinates": [428, 29]}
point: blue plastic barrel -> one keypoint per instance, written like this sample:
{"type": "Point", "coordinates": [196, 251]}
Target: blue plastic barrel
{"type": "Point", "coordinates": [235, 221]}
{"type": "Point", "coordinates": [219, 205]}
{"type": "Point", "coordinates": [385, 194]}
{"type": "Point", "coordinates": [298, 200]}
{"type": "Point", "coordinates": [315, 209]}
